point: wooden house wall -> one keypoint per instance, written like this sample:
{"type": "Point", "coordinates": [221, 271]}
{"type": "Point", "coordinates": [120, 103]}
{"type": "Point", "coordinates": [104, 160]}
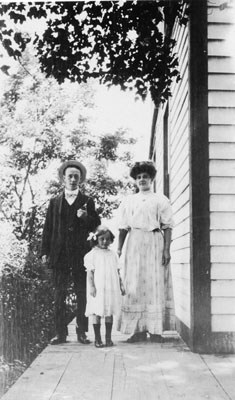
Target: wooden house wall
{"type": "Point", "coordinates": [179, 181]}
{"type": "Point", "coordinates": [221, 99]}
{"type": "Point", "coordinates": [178, 167]}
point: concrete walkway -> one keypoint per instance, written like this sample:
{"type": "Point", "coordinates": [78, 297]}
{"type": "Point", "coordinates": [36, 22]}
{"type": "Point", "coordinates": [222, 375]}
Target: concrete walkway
{"type": "Point", "coordinates": [141, 371]}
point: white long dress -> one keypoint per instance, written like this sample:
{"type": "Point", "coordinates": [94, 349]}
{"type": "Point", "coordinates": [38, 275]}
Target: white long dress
{"type": "Point", "coordinates": [148, 303]}
{"type": "Point", "coordinates": [107, 302]}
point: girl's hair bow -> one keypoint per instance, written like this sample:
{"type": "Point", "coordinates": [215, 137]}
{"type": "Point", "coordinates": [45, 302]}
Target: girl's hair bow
{"type": "Point", "coordinates": [92, 236]}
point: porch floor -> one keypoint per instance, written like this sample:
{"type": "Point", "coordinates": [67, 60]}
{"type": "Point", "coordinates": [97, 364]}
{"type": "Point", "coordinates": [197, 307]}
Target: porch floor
{"type": "Point", "coordinates": [139, 371]}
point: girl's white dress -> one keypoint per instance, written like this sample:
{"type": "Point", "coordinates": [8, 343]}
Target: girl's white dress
{"type": "Point", "coordinates": [104, 263]}
{"type": "Point", "coordinates": [148, 303]}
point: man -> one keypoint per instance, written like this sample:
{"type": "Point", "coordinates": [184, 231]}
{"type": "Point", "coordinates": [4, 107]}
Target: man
{"type": "Point", "coordinates": [70, 217]}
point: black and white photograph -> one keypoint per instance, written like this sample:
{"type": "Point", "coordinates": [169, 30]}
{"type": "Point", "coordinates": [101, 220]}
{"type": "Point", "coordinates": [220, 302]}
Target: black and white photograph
{"type": "Point", "coordinates": [117, 200]}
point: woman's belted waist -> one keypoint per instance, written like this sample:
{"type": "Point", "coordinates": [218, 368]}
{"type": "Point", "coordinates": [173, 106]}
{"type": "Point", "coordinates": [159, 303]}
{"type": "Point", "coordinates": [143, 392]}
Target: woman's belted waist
{"type": "Point", "coordinates": [145, 230]}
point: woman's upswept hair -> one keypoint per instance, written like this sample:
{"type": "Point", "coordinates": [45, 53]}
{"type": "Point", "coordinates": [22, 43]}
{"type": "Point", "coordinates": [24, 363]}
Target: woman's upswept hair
{"type": "Point", "coordinates": [143, 166]}
{"type": "Point", "coordinates": [100, 230]}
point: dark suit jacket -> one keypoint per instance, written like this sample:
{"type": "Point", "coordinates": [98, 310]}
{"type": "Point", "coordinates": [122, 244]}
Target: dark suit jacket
{"type": "Point", "coordinates": [54, 229]}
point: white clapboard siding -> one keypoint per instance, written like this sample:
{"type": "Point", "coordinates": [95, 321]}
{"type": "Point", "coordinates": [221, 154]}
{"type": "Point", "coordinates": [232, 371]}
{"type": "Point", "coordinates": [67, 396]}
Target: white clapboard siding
{"type": "Point", "coordinates": [183, 308]}
{"type": "Point", "coordinates": [222, 116]}
{"type": "Point", "coordinates": [222, 185]}
{"type": "Point", "coordinates": [223, 271]}
{"type": "Point", "coordinates": [181, 256]}
{"type": "Point", "coordinates": [222, 203]}
{"type": "Point", "coordinates": [180, 119]}
{"type": "Point", "coordinates": [180, 134]}
{"type": "Point", "coordinates": [221, 168]}
{"type": "Point", "coordinates": [224, 254]}
{"type": "Point", "coordinates": [179, 185]}
{"type": "Point", "coordinates": [181, 243]}
{"type": "Point", "coordinates": [218, 31]}
{"type": "Point", "coordinates": [223, 305]}
{"type": "Point", "coordinates": [222, 220]}
{"type": "Point", "coordinates": [182, 305]}
{"type": "Point", "coordinates": [177, 162]}
{"type": "Point", "coordinates": [218, 14]}
{"type": "Point", "coordinates": [221, 99]}
{"type": "Point", "coordinates": [181, 167]}
{"type": "Point", "coordinates": [222, 237]}
{"type": "Point", "coordinates": [217, 133]}
{"type": "Point", "coordinates": [179, 179]}
{"type": "Point", "coordinates": [181, 148]}
{"type": "Point", "coordinates": [181, 229]}
{"type": "Point", "coordinates": [182, 314]}
{"type": "Point", "coordinates": [222, 151]}
{"type": "Point", "coordinates": [221, 65]}
{"type": "Point", "coordinates": [223, 323]}
{"type": "Point", "coordinates": [179, 124]}
{"type": "Point", "coordinates": [182, 214]}
{"type": "Point", "coordinates": [223, 288]}
{"type": "Point", "coordinates": [221, 81]}
{"type": "Point", "coordinates": [220, 48]}
{"type": "Point", "coordinates": [180, 94]}
{"type": "Point", "coordinates": [181, 271]}
{"type": "Point", "coordinates": [181, 201]}
{"type": "Point", "coordinates": [182, 286]}
{"type": "Point", "coordinates": [182, 311]}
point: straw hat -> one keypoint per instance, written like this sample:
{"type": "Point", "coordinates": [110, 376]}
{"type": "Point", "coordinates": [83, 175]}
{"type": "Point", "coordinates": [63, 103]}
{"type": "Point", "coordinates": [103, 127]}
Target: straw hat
{"type": "Point", "coordinates": [75, 164]}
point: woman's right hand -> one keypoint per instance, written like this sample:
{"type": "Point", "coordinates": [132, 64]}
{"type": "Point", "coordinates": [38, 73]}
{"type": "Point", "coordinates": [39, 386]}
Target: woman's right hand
{"type": "Point", "coordinates": [93, 291]}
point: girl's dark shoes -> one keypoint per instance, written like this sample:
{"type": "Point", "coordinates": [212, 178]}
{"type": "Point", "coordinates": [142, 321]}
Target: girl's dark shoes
{"type": "Point", "coordinates": [137, 337]}
{"type": "Point", "coordinates": [99, 344]}
{"type": "Point", "coordinates": [108, 343]}
{"type": "Point", "coordinates": [98, 341]}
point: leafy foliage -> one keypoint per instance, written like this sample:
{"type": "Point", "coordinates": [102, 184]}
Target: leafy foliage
{"type": "Point", "coordinates": [43, 122]}
{"type": "Point", "coordinates": [119, 43]}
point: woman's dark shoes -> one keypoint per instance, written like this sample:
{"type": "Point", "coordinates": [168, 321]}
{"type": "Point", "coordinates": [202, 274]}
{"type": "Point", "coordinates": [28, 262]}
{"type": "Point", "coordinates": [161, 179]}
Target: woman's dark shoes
{"type": "Point", "coordinates": [99, 344]}
{"type": "Point", "coordinates": [108, 343]}
{"type": "Point", "coordinates": [156, 338]}
{"type": "Point", "coordinates": [137, 337]}
{"type": "Point", "coordinates": [83, 339]}
{"type": "Point", "coordinates": [58, 340]}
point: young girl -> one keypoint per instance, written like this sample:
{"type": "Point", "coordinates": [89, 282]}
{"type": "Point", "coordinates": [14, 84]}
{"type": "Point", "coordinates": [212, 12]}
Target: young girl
{"type": "Point", "coordinates": [104, 285]}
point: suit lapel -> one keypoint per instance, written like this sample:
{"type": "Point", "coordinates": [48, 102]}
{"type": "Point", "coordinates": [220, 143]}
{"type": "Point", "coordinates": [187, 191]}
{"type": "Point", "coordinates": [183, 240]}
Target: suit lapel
{"type": "Point", "coordinates": [60, 202]}
{"type": "Point", "coordinates": [79, 201]}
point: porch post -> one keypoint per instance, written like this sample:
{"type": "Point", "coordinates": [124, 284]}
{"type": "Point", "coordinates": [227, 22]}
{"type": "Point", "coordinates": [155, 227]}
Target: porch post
{"type": "Point", "coordinates": [199, 179]}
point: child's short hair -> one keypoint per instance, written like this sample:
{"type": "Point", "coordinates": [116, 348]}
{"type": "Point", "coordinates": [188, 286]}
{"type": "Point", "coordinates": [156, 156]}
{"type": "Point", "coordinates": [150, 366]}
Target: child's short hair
{"type": "Point", "coordinates": [100, 230]}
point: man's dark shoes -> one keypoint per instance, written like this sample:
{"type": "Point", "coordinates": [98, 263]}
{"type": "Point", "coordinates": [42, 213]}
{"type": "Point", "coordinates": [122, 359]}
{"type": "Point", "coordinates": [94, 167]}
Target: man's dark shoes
{"type": "Point", "coordinates": [109, 343]}
{"type": "Point", "coordinates": [82, 338]}
{"type": "Point", "coordinates": [58, 340]}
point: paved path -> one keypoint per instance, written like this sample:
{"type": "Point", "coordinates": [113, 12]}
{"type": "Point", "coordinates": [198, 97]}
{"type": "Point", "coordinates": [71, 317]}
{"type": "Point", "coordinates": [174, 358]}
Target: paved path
{"type": "Point", "coordinates": [144, 371]}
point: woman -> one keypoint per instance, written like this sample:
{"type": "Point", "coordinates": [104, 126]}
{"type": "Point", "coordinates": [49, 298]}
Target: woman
{"type": "Point", "coordinates": [145, 227]}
